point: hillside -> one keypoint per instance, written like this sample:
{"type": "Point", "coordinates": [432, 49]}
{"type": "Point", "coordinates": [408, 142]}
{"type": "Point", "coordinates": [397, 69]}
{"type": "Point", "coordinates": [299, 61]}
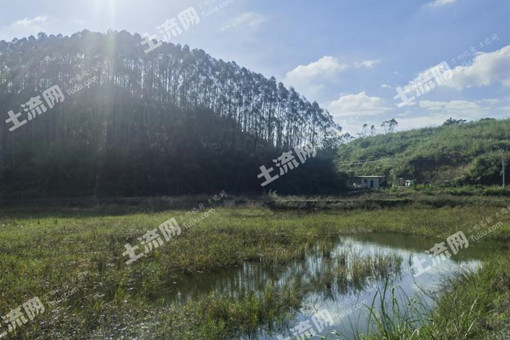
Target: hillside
{"type": "Point", "coordinates": [126, 123]}
{"type": "Point", "coordinates": [455, 154]}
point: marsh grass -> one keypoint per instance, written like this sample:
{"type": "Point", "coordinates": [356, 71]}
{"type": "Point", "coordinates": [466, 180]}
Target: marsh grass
{"type": "Point", "coordinates": [396, 314]}
{"type": "Point", "coordinates": [43, 252]}
{"type": "Point", "coordinates": [477, 305]}
{"type": "Point", "coordinates": [353, 269]}
{"type": "Point", "coordinates": [470, 305]}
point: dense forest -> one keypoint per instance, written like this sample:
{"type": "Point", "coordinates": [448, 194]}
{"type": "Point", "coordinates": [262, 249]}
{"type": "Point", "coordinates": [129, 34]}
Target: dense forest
{"type": "Point", "coordinates": [171, 122]}
{"type": "Point", "coordinates": [457, 153]}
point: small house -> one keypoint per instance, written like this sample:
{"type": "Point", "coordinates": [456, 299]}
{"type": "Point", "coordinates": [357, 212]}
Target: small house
{"type": "Point", "coordinates": [369, 182]}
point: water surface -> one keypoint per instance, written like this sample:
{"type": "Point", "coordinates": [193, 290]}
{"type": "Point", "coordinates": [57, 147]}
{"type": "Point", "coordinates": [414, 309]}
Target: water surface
{"type": "Point", "coordinates": [330, 307]}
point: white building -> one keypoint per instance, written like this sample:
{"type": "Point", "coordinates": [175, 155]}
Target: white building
{"type": "Point", "coordinates": [369, 182]}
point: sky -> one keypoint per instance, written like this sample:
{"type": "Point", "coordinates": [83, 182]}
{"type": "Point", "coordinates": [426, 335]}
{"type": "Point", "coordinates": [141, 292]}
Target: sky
{"type": "Point", "coordinates": [449, 58]}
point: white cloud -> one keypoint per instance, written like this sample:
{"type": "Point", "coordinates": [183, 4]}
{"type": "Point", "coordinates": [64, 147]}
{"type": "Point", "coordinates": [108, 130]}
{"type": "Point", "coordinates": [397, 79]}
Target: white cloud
{"type": "Point", "coordinates": [386, 86]}
{"type": "Point", "coordinates": [29, 22]}
{"type": "Point", "coordinates": [453, 106]}
{"type": "Point", "coordinates": [426, 114]}
{"type": "Point", "coordinates": [423, 121]}
{"type": "Point", "coordinates": [366, 63]}
{"type": "Point", "coordinates": [24, 27]}
{"type": "Point", "coordinates": [487, 69]}
{"type": "Point", "coordinates": [248, 20]}
{"type": "Point", "coordinates": [439, 3]}
{"type": "Point", "coordinates": [324, 67]}
{"type": "Point", "coordinates": [311, 79]}
{"type": "Point", "coordinates": [490, 101]}
{"type": "Point", "coordinates": [357, 105]}
{"type": "Point", "coordinates": [426, 81]}
{"type": "Point", "coordinates": [435, 113]}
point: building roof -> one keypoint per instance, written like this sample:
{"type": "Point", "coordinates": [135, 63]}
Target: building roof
{"type": "Point", "coordinates": [369, 176]}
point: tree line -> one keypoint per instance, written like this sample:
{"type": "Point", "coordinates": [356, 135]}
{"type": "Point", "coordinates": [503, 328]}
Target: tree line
{"type": "Point", "coordinates": [175, 121]}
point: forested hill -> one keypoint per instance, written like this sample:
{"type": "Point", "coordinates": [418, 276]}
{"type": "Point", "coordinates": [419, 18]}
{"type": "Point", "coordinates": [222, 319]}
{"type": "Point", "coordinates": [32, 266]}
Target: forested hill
{"type": "Point", "coordinates": [451, 154]}
{"type": "Point", "coordinates": [173, 121]}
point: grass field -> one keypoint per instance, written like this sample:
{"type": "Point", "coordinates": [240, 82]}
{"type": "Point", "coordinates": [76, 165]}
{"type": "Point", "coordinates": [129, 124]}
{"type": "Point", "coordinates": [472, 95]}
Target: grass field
{"type": "Point", "coordinates": [49, 253]}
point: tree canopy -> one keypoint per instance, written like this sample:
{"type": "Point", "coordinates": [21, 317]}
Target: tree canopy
{"type": "Point", "coordinates": [174, 121]}
{"type": "Point", "coordinates": [459, 153]}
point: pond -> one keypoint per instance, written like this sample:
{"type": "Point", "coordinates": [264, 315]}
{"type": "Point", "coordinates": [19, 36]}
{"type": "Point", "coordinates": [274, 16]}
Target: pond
{"type": "Point", "coordinates": [340, 284]}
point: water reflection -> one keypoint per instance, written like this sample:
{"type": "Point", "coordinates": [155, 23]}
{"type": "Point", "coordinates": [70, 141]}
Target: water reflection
{"type": "Point", "coordinates": [340, 284]}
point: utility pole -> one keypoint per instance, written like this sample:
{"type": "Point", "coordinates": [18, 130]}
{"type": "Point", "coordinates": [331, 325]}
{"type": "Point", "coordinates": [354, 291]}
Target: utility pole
{"type": "Point", "coordinates": [503, 166]}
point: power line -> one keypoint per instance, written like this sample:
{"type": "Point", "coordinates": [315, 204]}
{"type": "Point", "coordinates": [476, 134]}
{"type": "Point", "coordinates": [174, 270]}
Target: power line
{"type": "Point", "coordinates": [364, 162]}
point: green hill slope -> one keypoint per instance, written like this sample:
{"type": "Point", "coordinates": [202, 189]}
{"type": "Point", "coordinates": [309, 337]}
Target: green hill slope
{"type": "Point", "coordinates": [175, 121]}
{"type": "Point", "coordinates": [458, 154]}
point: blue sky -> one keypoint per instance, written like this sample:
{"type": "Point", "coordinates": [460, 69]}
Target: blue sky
{"type": "Point", "coordinates": [350, 56]}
